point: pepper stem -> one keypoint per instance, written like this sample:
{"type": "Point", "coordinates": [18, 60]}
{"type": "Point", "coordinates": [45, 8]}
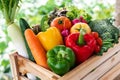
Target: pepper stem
{"type": "Point", "coordinates": [81, 37]}
{"type": "Point", "coordinates": [61, 54]}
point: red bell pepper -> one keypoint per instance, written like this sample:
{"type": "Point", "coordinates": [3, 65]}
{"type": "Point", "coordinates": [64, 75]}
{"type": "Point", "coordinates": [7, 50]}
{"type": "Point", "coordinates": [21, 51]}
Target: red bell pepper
{"type": "Point", "coordinates": [83, 51]}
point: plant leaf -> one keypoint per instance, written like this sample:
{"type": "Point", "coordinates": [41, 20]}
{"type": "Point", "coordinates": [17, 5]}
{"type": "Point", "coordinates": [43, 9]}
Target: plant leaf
{"type": "Point", "coordinates": [3, 46]}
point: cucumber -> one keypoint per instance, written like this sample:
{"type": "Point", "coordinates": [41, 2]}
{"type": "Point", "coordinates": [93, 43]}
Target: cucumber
{"type": "Point", "coordinates": [24, 25]}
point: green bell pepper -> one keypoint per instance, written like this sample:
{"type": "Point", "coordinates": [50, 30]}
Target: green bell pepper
{"type": "Point", "coordinates": [60, 59]}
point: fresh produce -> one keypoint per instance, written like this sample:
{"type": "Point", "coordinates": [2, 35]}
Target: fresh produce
{"type": "Point", "coordinates": [44, 23]}
{"type": "Point", "coordinates": [83, 45]}
{"type": "Point", "coordinates": [56, 13]}
{"type": "Point", "coordinates": [14, 32]}
{"type": "Point", "coordinates": [98, 41]}
{"type": "Point", "coordinates": [67, 35]}
{"type": "Point", "coordinates": [74, 12]}
{"type": "Point", "coordinates": [60, 59]}
{"type": "Point", "coordinates": [82, 20]}
{"type": "Point", "coordinates": [107, 32]}
{"type": "Point", "coordinates": [76, 20]}
{"type": "Point", "coordinates": [76, 28]}
{"type": "Point", "coordinates": [24, 25]}
{"type": "Point", "coordinates": [36, 29]}
{"type": "Point", "coordinates": [61, 23]}
{"type": "Point", "coordinates": [50, 38]}
{"type": "Point", "coordinates": [95, 34]}
{"type": "Point", "coordinates": [62, 12]}
{"type": "Point", "coordinates": [105, 29]}
{"type": "Point", "coordinates": [98, 38]}
{"type": "Point", "coordinates": [9, 9]}
{"type": "Point", "coordinates": [36, 48]}
{"type": "Point", "coordinates": [64, 34]}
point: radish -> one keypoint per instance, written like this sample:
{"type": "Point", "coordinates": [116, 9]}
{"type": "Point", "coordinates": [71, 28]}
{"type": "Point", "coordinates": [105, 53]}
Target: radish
{"type": "Point", "coordinates": [9, 9]}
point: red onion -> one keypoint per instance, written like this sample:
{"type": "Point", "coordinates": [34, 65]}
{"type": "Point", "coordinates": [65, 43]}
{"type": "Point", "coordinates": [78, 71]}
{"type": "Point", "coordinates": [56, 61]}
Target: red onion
{"type": "Point", "coordinates": [74, 21]}
{"type": "Point", "coordinates": [65, 33]}
{"type": "Point", "coordinates": [82, 20]}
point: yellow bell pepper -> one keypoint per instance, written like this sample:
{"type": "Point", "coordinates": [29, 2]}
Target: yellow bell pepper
{"type": "Point", "coordinates": [75, 28]}
{"type": "Point", "coordinates": [50, 38]}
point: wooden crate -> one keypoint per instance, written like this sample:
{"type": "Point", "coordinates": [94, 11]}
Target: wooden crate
{"type": "Point", "coordinates": [106, 67]}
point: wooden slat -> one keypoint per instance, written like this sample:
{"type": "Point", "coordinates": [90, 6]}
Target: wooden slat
{"type": "Point", "coordinates": [14, 66]}
{"type": "Point", "coordinates": [77, 71]}
{"type": "Point", "coordinates": [26, 66]}
{"type": "Point", "coordinates": [117, 77]}
{"type": "Point", "coordinates": [113, 74]}
{"type": "Point", "coordinates": [103, 68]}
{"type": "Point", "coordinates": [86, 67]}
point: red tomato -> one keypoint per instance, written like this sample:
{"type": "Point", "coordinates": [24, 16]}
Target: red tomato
{"type": "Point", "coordinates": [95, 34]}
{"type": "Point", "coordinates": [61, 23]}
{"type": "Point", "coordinates": [97, 48]}
{"type": "Point", "coordinates": [99, 41]}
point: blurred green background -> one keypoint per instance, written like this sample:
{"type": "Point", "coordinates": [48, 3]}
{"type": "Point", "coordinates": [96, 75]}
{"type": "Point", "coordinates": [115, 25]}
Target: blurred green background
{"type": "Point", "coordinates": [33, 10]}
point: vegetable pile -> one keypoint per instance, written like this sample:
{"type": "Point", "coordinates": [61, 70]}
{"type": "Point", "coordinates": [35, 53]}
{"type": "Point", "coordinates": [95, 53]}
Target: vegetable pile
{"type": "Point", "coordinates": [66, 37]}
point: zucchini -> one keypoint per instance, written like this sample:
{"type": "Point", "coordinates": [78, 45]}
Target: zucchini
{"type": "Point", "coordinates": [24, 25]}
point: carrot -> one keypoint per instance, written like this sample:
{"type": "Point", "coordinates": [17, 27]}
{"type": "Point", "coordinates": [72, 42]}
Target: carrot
{"type": "Point", "coordinates": [36, 48]}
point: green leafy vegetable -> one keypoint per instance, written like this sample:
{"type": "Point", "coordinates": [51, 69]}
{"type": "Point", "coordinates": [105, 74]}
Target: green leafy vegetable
{"type": "Point", "coordinates": [105, 28]}
{"type": "Point", "coordinates": [74, 12]}
{"type": "Point", "coordinates": [44, 23]}
{"type": "Point", "coordinates": [106, 45]}
{"type": "Point", "coordinates": [8, 8]}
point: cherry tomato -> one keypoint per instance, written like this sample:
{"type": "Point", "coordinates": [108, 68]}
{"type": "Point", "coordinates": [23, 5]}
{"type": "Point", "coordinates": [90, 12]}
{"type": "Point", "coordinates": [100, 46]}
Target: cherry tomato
{"type": "Point", "coordinates": [97, 48]}
{"type": "Point", "coordinates": [95, 34]}
{"type": "Point", "coordinates": [99, 41]}
{"type": "Point", "coordinates": [61, 23]}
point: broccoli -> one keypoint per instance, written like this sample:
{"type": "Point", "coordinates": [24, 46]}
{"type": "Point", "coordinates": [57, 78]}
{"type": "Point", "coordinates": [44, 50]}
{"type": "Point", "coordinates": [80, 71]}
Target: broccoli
{"type": "Point", "coordinates": [108, 32]}
{"type": "Point", "coordinates": [105, 28]}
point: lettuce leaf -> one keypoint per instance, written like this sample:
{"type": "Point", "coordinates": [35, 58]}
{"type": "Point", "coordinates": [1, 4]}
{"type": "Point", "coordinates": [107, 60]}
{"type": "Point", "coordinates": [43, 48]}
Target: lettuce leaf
{"type": "Point", "coordinates": [74, 12]}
